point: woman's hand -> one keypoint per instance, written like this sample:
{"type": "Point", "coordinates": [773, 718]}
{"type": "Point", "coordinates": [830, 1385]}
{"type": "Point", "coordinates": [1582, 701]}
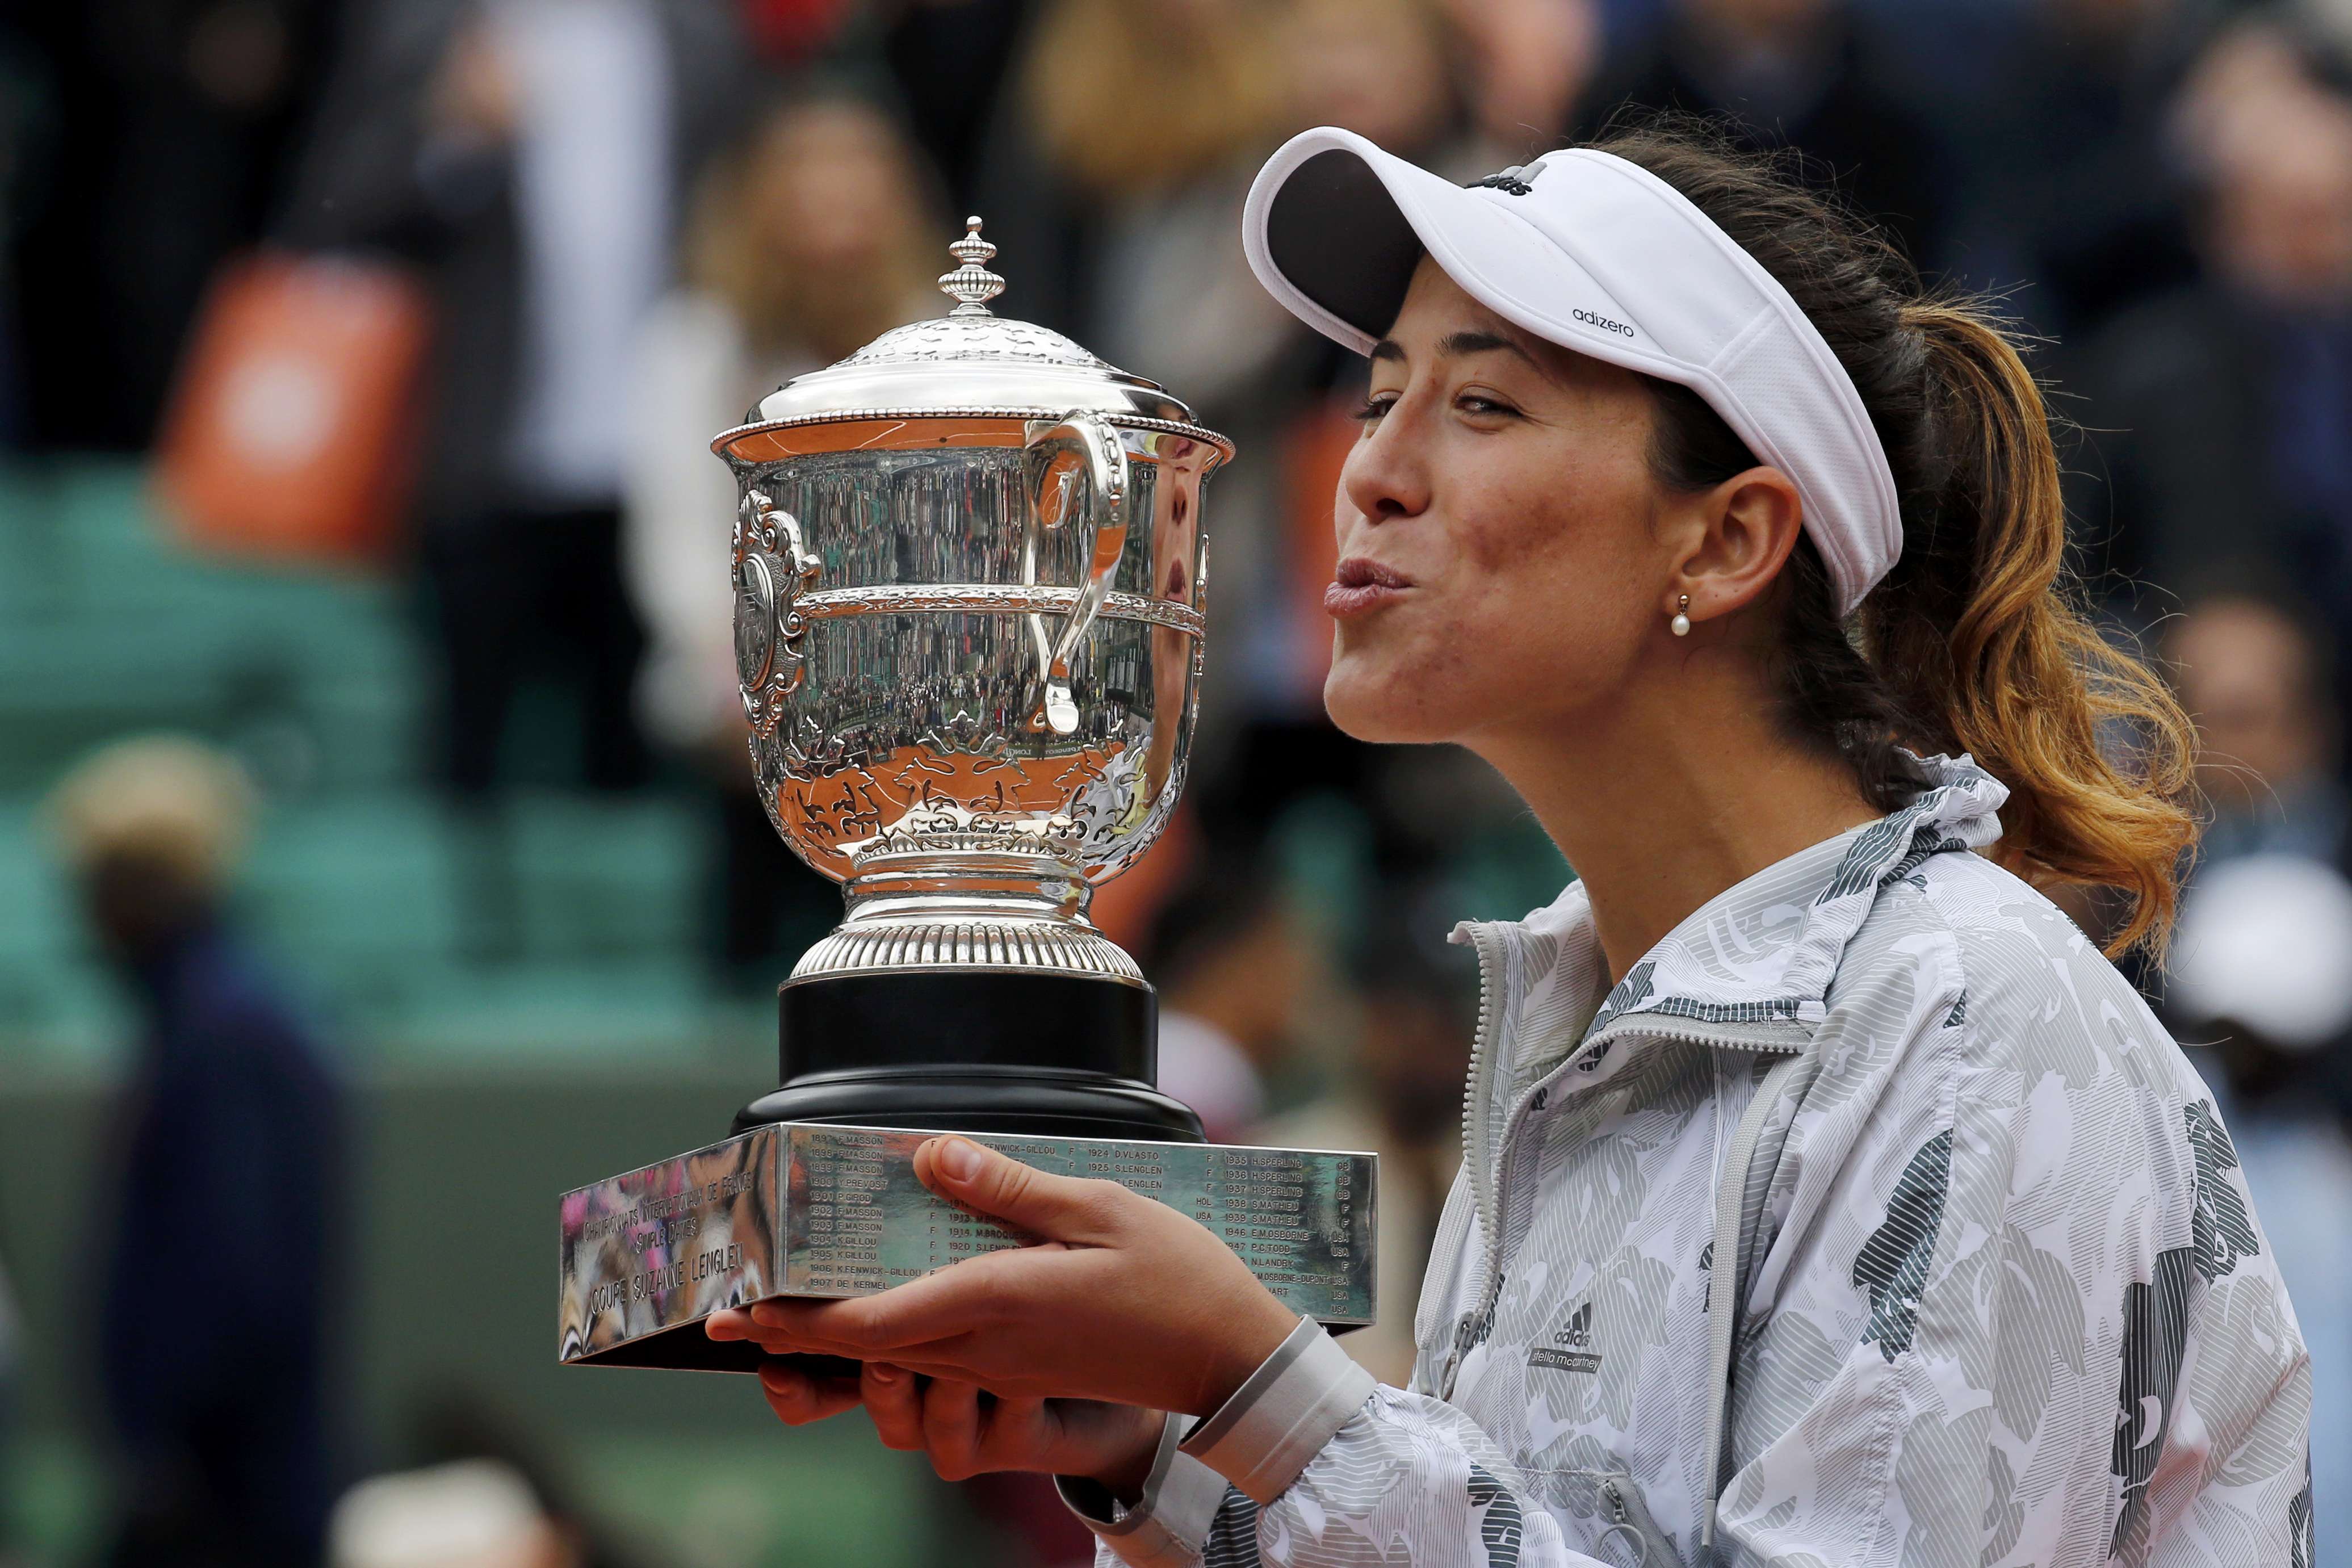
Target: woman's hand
{"type": "Point", "coordinates": [1126, 1301]}
{"type": "Point", "coordinates": [966, 1431]}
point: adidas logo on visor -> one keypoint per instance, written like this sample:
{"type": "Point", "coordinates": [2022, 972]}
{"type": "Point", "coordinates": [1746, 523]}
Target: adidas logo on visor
{"type": "Point", "coordinates": [1519, 180]}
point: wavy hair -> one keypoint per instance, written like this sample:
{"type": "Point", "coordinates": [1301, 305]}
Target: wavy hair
{"type": "Point", "coordinates": [1979, 638]}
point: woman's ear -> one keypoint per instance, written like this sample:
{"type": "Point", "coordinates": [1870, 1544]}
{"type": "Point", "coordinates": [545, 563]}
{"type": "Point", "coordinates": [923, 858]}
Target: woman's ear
{"type": "Point", "coordinates": [1745, 528]}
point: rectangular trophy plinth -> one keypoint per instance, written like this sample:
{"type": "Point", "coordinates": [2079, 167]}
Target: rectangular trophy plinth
{"type": "Point", "coordinates": [815, 1209]}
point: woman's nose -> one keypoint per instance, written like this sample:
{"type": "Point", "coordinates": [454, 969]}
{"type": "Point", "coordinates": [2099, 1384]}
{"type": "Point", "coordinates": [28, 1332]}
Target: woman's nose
{"type": "Point", "coordinates": [1384, 476]}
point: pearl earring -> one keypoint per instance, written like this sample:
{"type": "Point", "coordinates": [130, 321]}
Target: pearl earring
{"type": "Point", "coordinates": [1680, 625]}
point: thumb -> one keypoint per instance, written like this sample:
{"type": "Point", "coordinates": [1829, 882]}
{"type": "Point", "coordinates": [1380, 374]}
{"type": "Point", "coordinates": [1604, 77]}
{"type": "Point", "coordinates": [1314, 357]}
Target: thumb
{"type": "Point", "coordinates": [1056, 1208]}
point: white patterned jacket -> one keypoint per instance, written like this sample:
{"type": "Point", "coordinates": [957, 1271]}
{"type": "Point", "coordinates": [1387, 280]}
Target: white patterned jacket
{"type": "Point", "coordinates": [2001, 1295]}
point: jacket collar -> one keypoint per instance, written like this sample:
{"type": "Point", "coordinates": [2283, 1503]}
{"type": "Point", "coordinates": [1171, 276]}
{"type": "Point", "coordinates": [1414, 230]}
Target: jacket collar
{"type": "Point", "coordinates": [1761, 952]}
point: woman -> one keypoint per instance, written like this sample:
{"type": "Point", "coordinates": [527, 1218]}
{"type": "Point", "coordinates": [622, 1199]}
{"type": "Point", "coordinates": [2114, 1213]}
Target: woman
{"type": "Point", "coordinates": [804, 245]}
{"type": "Point", "coordinates": [1827, 1197]}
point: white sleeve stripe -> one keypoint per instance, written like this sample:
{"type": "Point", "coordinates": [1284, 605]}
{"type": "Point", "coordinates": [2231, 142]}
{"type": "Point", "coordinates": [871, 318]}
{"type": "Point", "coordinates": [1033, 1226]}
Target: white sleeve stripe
{"type": "Point", "coordinates": [1283, 1414]}
{"type": "Point", "coordinates": [1167, 1525]}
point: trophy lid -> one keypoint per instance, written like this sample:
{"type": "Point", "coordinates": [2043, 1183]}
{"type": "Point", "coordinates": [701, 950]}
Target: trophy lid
{"type": "Point", "coordinates": [969, 361]}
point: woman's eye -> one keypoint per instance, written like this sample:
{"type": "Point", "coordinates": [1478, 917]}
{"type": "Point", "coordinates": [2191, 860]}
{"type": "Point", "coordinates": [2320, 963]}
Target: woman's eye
{"type": "Point", "coordinates": [1373, 407]}
{"type": "Point", "coordinates": [1471, 403]}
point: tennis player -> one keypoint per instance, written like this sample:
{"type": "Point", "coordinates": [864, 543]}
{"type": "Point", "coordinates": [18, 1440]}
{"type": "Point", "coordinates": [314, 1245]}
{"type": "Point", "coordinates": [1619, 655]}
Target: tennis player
{"type": "Point", "coordinates": [1827, 1197]}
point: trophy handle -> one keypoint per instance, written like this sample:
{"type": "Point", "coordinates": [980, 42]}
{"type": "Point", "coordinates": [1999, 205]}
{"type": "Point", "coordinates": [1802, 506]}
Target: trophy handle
{"type": "Point", "coordinates": [771, 570]}
{"type": "Point", "coordinates": [1106, 460]}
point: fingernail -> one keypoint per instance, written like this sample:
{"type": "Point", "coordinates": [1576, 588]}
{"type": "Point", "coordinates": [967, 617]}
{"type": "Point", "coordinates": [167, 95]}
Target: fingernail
{"type": "Point", "coordinates": [884, 1373]}
{"type": "Point", "coordinates": [768, 1317]}
{"type": "Point", "coordinates": [959, 1159]}
{"type": "Point", "coordinates": [781, 1379]}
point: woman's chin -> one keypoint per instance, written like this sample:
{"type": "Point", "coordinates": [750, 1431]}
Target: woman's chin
{"type": "Point", "coordinates": [1379, 708]}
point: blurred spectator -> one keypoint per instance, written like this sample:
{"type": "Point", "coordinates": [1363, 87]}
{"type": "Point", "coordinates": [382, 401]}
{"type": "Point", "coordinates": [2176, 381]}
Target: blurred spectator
{"type": "Point", "coordinates": [216, 1321]}
{"type": "Point", "coordinates": [28, 113]}
{"type": "Point", "coordinates": [1526, 66]}
{"type": "Point", "coordinates": [950, 59]}
{"type": "Point", "coordinates": [11, 1403]}
{"type": "Point", "coordinates": [814, 239]}
{"type": "Point", "coordinates": [165, 130]}
{"type": "Point", "coordinates": [1807, 74]}
{"type": "Point", "coordinates": [468, 1513]}
{"type": "Point", "coordinates": [526, 152]}
{"type": "Point", "coordinates": [1170, 293]}
{"type": "Point", "coordinates": [2222, 410]}
{"type": "Point", "coordinates": [791, 31]}
{"type": "Point", "coordinates": [1112, 105]}
{"type": "Point", "coordinates": [2255, 680]}
{"type": "Point", "coordinates": [1401, 1099]}
{"type": "Point", "coordinates": [1129, 100]}
{"type": "Point", "coordinates": [2064, 181]}
{"type": "Point", "coordinates": [478, 1461]}
{"type": "Point", "coordinates": [2262, 968]}
{"type": "Point", "coordinates": [1230, 964]}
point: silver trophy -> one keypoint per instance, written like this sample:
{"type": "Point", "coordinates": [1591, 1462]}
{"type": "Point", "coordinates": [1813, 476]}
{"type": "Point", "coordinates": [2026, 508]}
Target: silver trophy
{"type": "Point", "coordinates": [968, 569]}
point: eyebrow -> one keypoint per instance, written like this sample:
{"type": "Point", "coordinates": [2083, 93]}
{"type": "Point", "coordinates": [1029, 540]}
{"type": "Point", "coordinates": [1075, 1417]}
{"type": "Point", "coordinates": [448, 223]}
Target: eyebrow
{"type": "Point", "coordinates": [1453, 343]}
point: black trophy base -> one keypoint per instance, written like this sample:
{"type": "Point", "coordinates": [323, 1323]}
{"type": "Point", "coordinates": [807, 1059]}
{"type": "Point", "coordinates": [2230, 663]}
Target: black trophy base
{"type": "Point", "coordinates": [1065, 1055]}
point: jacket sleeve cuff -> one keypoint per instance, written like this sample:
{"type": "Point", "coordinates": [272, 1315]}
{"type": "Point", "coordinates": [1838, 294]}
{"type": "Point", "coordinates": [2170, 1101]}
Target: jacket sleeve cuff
{"type": "Point", "coordinates": [1283, 1416]}
{"type": "Point", "coordinates": [1168, 1524]}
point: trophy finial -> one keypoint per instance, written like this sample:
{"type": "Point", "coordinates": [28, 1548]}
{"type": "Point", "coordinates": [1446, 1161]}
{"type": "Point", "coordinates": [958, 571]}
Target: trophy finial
{"type": "Point", "coordinates": [972, 286]}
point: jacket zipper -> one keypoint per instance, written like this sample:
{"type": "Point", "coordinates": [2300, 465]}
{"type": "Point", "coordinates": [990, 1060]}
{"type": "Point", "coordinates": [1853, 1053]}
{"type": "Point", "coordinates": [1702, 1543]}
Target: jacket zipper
{"type": "Point", "coordinates": [1487, 1173]}
{"type": "Point", "coordinates": [1629, 1515]}
{"type": "Point", "coordinates": [1482, 1069]}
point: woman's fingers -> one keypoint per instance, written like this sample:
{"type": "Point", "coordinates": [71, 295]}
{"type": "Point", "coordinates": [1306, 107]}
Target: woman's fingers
{"type": "Point", "coordinates": [953, 1425]}
{"type": "Point", "coordinates": [731, 1323]}
{"type": "Point", "coordinates": [798, 1399]}
{"type": "Point", "coordinates": [894, 1398]}
{"type": "Point", "coordinates": [936, 1306]}
{"type": "Point", "coordinates": [1020, 1435]}
{"type": "Point", "coordinates": [1056, 1208]}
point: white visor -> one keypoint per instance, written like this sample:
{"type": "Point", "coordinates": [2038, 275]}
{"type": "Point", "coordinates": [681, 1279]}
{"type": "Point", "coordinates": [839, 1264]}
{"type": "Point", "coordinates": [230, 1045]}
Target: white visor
{"type": "Point", "coordinates": [1592, 253]}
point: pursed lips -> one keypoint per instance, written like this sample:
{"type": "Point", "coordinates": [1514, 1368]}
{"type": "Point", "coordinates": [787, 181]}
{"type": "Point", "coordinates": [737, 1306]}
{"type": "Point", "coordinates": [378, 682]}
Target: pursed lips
{"type": "Point", "coordinates": [1359, 586]}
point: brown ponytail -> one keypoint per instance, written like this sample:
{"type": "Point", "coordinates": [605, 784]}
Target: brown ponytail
{"type": "Point", "coordinates": [1977, 639]}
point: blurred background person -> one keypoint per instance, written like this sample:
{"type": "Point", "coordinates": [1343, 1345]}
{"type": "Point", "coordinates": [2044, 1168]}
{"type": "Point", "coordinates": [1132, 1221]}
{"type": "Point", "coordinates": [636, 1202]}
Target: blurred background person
{"type": "Point", "coordinates": [2257, 680]}
{"type": "Point", "coordinates": [2262, 968]}
{"type": "Point", "coordinates": [2262, 975]}
{"type": "Point", "coordinates": [220, 1306]}
{"type": "Point", "coordinates": [474, 1488]}
{"type": "Point", "coordinates": [527, 155]}
{"type": "Point", "coordinates": [949, 62]}
{"type": "Point", "coordinates": [147, 140]}
{"type": "Point", "coordinates": [2220, 413]}
{"type": "Point", "coordinates": [1808, 74]}
{"type": "Point", "coordinates": [1115, 106]}
{"type": "Point", "coordinates": [1526, 66]}
{"type": "Point", "coordinates": [1233, 962]}
{"type": "Point", "coordinates": [804, 244]}
{"type": "Point", "coordinates": [466, 1513]}
{"type": "Point", "coordinates": [12, 1377]}
{"type": "Point", "coordinates": [2063, 183]}
{"type": "Point", "coordinates": [1399, 1094]}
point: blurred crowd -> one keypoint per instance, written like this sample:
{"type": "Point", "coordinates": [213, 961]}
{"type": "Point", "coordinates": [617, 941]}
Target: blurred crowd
{"type": "Point", "coordinates": [621, 222]}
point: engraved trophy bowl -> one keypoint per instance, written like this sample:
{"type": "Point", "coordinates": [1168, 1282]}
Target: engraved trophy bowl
{"type": "Point", "coordinates": [968, 567]}
{"type": "Point", "coordinates": [967, 574]}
